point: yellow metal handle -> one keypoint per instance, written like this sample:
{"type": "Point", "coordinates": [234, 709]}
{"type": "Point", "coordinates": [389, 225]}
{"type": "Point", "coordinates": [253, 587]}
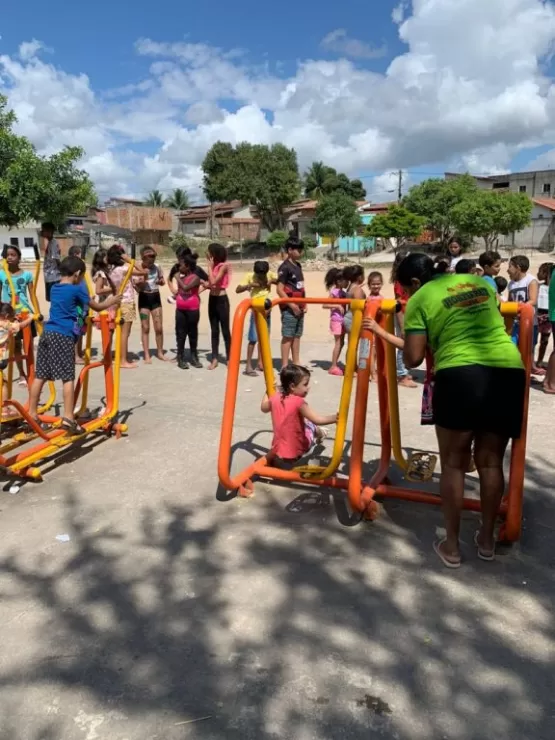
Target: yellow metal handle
{"type": "Point", "coordinates": [393, 394]}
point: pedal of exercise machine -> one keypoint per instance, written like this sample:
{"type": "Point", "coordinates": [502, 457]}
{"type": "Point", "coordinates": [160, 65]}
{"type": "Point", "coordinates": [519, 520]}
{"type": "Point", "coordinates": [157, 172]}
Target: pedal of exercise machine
{"type": "Point", "coordinates": [421, 466]}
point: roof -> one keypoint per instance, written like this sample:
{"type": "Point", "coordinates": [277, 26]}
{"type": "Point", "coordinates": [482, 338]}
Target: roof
{"type": "Point", "coordinates": [114, 199]}
{"type": "Point", "coordinates": [306, 204]}
{"type": "Point", "coordinates": [375, 207]}
{"type": "Point", "coordinates": [548, 203]}
{"type": "Point", "coordinates": [200, 213]}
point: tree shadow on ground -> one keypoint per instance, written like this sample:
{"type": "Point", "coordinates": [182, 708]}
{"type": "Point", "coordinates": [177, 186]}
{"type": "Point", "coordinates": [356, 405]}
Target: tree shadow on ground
{"type": "Point", "coordinates": [270, 622]}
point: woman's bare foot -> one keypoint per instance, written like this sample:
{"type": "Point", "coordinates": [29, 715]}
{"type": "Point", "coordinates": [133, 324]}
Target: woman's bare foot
{"type": "Point", "coordinates": [163, 357]}
{"type": "Point", "coordinates": [148, 360]}
{"type": "Point", "coordinates": [406, 382]}
{"type": "Point", "coordinates": [79, 361]}
{"type": "Point", "coordinates": [213, 365]}
{"type": "Point", "coordinates": [128, 365]}
{"type": "Point", "coordinates": [451, 558]}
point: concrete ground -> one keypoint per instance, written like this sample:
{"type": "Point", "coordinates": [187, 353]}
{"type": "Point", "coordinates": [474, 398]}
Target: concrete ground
{"type": "Point", "coordinates": [173, 613]}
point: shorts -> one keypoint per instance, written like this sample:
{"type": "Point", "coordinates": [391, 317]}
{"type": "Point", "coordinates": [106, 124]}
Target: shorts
{"type": "Point", "coordinates": [292, 326]}
{"type": "Point", "coordinates": [348, 322]}
{"type": "Point", "coordinates": [336, 327]}
{"type": "Point", "coordinates": [252, 336]}
{"type": "Point", "coordinates": [128, 312]}
{"type": "Point", "coordinates": [149, 301]}
{"type": "Point", "coordinates": [477, 398]}
{"type": "Point", "coordinates": [515, 334]}
{"type": "Point", "coordinates": [48, 289]}
{"type": "Point", "coordinates": [310, 434]}
{"type": "Point", "coordinates": [56, 357]}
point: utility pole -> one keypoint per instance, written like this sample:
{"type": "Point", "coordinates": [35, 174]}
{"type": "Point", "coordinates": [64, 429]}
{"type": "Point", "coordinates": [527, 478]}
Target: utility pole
{"type": "Point", "coordinates": [400, 187]}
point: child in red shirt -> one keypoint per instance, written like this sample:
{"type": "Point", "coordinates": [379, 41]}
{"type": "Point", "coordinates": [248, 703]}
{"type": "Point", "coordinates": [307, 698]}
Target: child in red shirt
{"type": "Point", "coordinates": [296, 425]}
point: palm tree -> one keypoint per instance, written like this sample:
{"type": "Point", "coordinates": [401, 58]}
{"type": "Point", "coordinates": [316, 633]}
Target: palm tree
{"type": "Point", "coordinates": [179, 200]}
{"type": "Point", "coordinates": [317, 180]}
{"type": "Point", "coordinates": [155, 198]}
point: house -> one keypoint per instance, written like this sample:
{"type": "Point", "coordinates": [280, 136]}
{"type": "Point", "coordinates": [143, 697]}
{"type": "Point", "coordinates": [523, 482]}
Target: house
{"type": "Point", "coordinates": [23, 236]}
{"type": "Point", "coordinates": [115, 202]}
{"type": "Point", "coordinates": [299, 217]}
{"type": "Point", "coordinates": [539, 186]}
{"type": "Point", "coordinates": [148, 225]}
{"type": "Point", "coordinates": [232, 221]}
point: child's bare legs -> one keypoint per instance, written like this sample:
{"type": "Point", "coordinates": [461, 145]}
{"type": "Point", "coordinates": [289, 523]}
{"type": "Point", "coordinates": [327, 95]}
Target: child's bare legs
{"type": "Point", "coordinates": [144, 315]}
{"type": "Point", "coordinates": [549, 382]}
{"type": "Point", "coordinates": [544, 341]}
{"type": "Point", "coordinates": [79, 352]}
{"type": "Point", "coordinates": [296, 351]}
{"type": "Point", "coordinates": [68, 392]}
{"type": "Point", "coordinates": [34, 396]}
{"type": "Point", "coordinates": [125, 332]}
{"type": "Point", "coordinates": [158, 324]}
{"type": "Point", "coordinates": [249, 369]}
{"type": "Point", "coordinates": [286, 348]}
{"type": "Point", "coordinates": [339, 341]}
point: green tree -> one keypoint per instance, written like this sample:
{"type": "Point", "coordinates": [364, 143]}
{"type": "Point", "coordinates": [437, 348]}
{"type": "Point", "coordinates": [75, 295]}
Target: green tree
{"type": "Point", "coordinates": [435, 199]}
{"type": "Point", "coordinates": [179, 200]}
{"type": "Point", "coordinates": [336, 215]}
{"type": "Point", "coordinates": [488, 214]}
{"type": "Point", "coordinates": [276, 240]}
{"type": "Point", "coordinates": [38, 188]}
{"type": "Point", "coordinates": [397, 223]}
{"type": "Point", "coordinates": [155, 199]}
{"type": "Point", "coordinates": [321, 180]}
{"type": "Point", "coordinates": [265, 177]}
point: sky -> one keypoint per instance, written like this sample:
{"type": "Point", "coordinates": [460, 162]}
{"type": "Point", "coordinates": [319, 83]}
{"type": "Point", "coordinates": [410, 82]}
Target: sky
{"type": "Point", "coordinates": [368, 87]}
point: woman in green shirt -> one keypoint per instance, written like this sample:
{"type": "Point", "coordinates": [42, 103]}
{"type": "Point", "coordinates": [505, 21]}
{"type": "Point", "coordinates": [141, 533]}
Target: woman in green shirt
{"type": "Point", "coordinates": [479, 388]}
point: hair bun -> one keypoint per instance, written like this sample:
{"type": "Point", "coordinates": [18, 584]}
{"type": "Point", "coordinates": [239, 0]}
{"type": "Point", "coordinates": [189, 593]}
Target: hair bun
{"type": "Point", "coordinates": [440, 268]}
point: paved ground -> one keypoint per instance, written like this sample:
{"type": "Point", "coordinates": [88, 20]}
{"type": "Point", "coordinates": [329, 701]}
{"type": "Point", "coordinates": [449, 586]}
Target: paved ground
{"type": "Point", "coordinates": [172, 614]}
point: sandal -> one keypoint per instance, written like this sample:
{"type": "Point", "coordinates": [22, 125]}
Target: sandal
{"type": "Point", "coordinates": [487, 555]}
{"type": "Point", "coordinates": [72, 427]}
{"type": "Point", "coordinates": [251, 373]}
{"type": "Point", "coordinates": [453, 564]}
{"type": "Point", "coordinates": [42, 426]}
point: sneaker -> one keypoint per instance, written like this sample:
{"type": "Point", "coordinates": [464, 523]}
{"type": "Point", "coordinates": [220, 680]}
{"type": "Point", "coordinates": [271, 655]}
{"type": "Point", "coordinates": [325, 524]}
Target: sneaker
{"type": "Point", "coordinates": [182, 364]}
{"type": "Point", "coordinates": [195, 362]}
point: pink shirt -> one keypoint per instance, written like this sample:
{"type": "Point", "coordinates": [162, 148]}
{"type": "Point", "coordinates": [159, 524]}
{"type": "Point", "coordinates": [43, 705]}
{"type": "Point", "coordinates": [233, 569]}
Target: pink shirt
{"type": "Point", "coordinates": [117, 276]}
{"type": "Point", "coordinates": [224, 283]}
{"type": "Point", "coordinates": [290, 440]}
{"type": "Point", "coordinates": [190, 302]}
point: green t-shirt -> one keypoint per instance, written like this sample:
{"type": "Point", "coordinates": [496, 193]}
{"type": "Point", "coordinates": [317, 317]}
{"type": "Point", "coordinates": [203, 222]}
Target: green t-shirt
{"type": "Point", "coordinates": [552, 297]}
{"type": "Point", "coordinates": [460, 316]}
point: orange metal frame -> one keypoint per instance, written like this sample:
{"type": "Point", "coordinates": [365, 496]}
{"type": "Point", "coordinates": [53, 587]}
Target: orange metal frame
{"type": "Point", "coordinates": [361, 495]}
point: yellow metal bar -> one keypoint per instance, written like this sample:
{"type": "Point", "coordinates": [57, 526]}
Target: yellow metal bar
{"type": "Point", "coordinates": [86, 351]}
{"type": "Point", "coordinates": [11, 355]}
{"type": "Point", "coordinates": [6, 269]}
{"type": "Point", "coordinates": [393, 393]}
{"type": "Point", "coordinates": [509, 309]}
{"type": "Point", "coordinates": [117, 339]}
{"type": "Point", "coordinates": [258, 306]}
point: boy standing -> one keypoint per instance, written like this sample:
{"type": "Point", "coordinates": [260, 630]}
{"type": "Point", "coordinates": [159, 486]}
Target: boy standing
{"type": "Point", "coordinates": [259, 284]}
{"type": "Point", "coordinates": [56, 349]}
{"type": "Point", "coordinates": [490, 262]}
{"type": "Point", "coordinates": [523, 288]}
{"type": "Point", "coordinates": [291, 285]}
{"type": "Point", "coordinates": [52, 256]}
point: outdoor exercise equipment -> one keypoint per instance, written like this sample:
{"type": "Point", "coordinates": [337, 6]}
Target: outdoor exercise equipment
{"type": "Point", "coordinates": [24, 463]}
{"type": "Point", "coordinates": [361, 494]}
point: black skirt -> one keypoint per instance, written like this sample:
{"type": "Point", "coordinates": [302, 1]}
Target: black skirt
{"type": "Point", "coordinates": [480, 399]}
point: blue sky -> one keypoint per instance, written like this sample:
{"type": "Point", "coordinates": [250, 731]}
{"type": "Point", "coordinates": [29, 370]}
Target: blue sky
{"type": "Point", "coordinates": [368, 87]}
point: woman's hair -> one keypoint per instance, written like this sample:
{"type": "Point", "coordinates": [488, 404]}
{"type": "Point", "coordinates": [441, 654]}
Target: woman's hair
{"type": "Point", "coordinates": [465, 266]}
{"type": "Point", "coordinates": [418, 266]}
{"type": "Point", "coordinates": [353, 273]}
{"type": "Point", "coordinates": [292, 375]}
{"type": "Point", "coordinates": [375, 276]}
{"type": "Point", "coordinates": [99, 261]}
{"type": "Point", "coordinates": [114, 256]}
{"type": "Point", "coordinates": [7, 311]}
{"type": "Point", "coordinates": [545, 270]}
{"type": "Point", "coordinates": [399, 257]}
{"type": "Point", "coordinates": [333, 275]}
{"type": "Point", "coordinates": [218, 252]}
{"type": "Point", "coordinates": [71, 265]}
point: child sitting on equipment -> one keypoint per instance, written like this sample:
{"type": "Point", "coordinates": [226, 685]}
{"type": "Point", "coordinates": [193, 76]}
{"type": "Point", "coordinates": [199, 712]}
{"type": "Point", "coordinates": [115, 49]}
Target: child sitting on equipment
{"type": "Point", "coordinates": [336, 283]}
{"type": "Point", "coordinates": [56, 349]}
{"type": "Point", "coordinates": [296, 425]}
{"type": "Point", "coordinates": [9, 326]}
{"type": "Point", "coordinates": [259, 284]}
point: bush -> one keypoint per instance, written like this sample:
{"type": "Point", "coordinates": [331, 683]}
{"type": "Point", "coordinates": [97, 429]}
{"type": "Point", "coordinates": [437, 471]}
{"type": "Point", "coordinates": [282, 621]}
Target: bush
{"type": "Point", "coordinates": [177, 241]}
{"type": "Point", "coordinates": [276, 240]}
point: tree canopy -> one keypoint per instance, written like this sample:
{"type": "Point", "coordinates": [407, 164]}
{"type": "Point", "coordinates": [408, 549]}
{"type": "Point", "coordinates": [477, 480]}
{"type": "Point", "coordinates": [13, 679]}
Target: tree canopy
{"type": "Point", "coordinates": [336, 215]}
{"type": "Point", "coordinates": [155, 199]}
{"type": "Point", "coordinates": [265, 177]}
{"type": "Point", "coordinates": [488, 214]}
{"type": "Point", "coordinates": [38, 188]}
{"type": "Point", "coordinates": [434, 200]}
{"type": "Point", "coordinates": [179, 200]}
{"type": "Point", "coordinates": [322, 180]}
{"type": "Point", "coordinates": [397, 223]}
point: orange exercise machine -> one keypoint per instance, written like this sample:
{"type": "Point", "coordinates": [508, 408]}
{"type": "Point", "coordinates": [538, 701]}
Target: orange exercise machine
{"type": "Point", "coordinates": [361, 494]}
{"type": "Point", "coordinates": [23, 463]}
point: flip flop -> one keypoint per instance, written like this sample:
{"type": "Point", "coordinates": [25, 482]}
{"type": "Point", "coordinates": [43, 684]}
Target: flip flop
{"type": "Point", "coordinates": [482, 554]}
{"type": "Point", "coordinates": [452, 564]}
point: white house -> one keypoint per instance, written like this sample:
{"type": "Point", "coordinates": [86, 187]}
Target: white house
{"type": "Point", "coordinates": [25, 235]}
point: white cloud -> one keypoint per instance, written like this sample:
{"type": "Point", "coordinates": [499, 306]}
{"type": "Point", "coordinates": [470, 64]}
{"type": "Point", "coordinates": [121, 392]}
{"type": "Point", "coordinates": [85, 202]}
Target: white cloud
{"type": "Point", "coordinates": [399, 12]}
{"type": "Point", "coordinates": [340, 43]}
{"type": "Point", "coordinates": [470, 91]}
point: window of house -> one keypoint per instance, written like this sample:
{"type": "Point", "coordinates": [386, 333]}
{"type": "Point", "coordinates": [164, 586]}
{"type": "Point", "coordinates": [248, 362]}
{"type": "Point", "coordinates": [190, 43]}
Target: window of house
{"type": "Point", "coordinates": [500, 185]}
{"type": "Point", "coordinates": [29, 241]}
{"type": "Point", "coordinates": [14, 241]}
{"type": "Point", "coordinates": [522, 188]}
{"type": "Point", "coordinates": [547, 188]}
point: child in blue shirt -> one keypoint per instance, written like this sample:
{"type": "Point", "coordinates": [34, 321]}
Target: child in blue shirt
{"type": "Point", "coordinates": [69, 300]}
{"type": "Point", "coordinates": [490, 262]}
